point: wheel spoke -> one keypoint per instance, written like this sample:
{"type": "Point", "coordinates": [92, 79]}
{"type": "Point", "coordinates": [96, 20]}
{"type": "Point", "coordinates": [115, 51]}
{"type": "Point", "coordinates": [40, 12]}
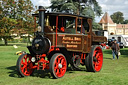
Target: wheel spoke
{"type": "Point", "coordinates": [61, 71]}
{"type": "Point", "coordinates": [94, 53]}
{"type": "Point", "coordinates": [57, 71]}
{"type": "Point", "coordinates": [99, 59]}
{"type": "Point", "coordinates": [97, 55]}
{"type": "Point", "coordinates": [59, 60]}
{"type": "Point", "coordinates": [25, 66]}
{"type": "Point", "coordinates": [63, 68]}
{"type": "Point", "coordinates": [62, 61]}
{"type": "Point", "coordinates": [22, 69]}
{"type": "Point", "coordinates": [29, 61]}
{"type": "Point", "coordinates": [24, 63]}
{"type": "Point", "coordinates": [25, 60]}
{"type": "Point", "coordinates": [56, 61]}
{"type": "Point", "coordinates": [25, 71]}
{"type": "Point", "coordinates": [56, 66]}
{"type": "Point", "coordinates": [97, 64]}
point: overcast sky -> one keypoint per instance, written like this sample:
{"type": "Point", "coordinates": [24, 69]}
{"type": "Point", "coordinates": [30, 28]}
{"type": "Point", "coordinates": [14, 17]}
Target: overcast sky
{"type": "Point", "coordinates": [109, 6]}
{"type": "Point", "coordinates": [41, 2]}
{"type": "Point", "coordinates": [112, 6]}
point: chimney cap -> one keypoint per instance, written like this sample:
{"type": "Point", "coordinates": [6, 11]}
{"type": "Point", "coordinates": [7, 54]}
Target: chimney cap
{"type": "Point", "coordinates": [41, 8]}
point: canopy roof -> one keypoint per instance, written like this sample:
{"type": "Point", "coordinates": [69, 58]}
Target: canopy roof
{"type": "Point", "coordinates": [62, 14]}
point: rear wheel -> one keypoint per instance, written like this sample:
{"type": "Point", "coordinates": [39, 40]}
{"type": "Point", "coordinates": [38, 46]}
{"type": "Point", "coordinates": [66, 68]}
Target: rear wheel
{"type": "Point", "coordinates": [87, 62]}
{"type": "Point", "coordinates": [95, 59]}
{"type": "Point", "coordinates": [58, 65]}
{"type": "Point", "coordinates": [24, 65]}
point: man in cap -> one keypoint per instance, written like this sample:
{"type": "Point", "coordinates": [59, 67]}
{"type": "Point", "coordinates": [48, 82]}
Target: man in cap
{"type": "Point", "coordinates": [115, 49]}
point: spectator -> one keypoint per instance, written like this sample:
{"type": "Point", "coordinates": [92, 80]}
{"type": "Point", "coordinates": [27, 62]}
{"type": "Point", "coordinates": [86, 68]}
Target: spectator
{"type": "Point", "coordinates": [115, 49]}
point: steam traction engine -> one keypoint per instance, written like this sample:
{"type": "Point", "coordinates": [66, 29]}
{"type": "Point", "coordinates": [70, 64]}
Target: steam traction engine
{"type": "Point", "coordinates": [62, 39]}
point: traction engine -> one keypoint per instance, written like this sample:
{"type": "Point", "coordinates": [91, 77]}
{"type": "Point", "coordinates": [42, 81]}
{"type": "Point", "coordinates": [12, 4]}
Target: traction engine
{"type": "Point", "coordinates": [62, 39]}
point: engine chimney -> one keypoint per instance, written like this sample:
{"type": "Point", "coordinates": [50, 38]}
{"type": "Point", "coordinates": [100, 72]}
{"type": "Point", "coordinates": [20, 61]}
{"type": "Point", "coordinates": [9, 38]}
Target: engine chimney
{"type": "Point", "coordinates": [41, 17]}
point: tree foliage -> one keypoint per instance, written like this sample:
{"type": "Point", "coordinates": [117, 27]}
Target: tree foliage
{"type": "Point", "coordinates": [117, 17]}
{"type": "Point", "coordinates": [17, 8]}
{"type": "Point", "coordinates": [88, 8]}
{"type": "Point", "coordinates": [81, 7]}
{"type": "Point", "coordinates": [18, 11]}
{"type": "Point", "coordinates": [125, 21]}
{"type": "Point", "coordinates": [96, 26]}
{"type": "Point", "coordinates": [6, 24]}
{"type": "Point", "coordinates": [1, 10]}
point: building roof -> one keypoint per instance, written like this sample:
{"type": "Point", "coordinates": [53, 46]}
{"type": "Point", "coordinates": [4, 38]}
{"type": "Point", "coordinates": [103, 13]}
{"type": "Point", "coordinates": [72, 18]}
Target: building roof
{"type": "Point", "coordinates": [106, 19]}
{"type": "Point", "coordinates": [122, 26]}
{"type": "Point", "coordinates": [102, 21]}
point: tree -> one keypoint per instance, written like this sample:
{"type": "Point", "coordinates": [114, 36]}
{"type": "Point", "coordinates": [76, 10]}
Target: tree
{"type": "Point", "coordinates": [88, 12]}
{"type": "Point", "coordinates": [96, 26]}
{"type": "Point", "coordinates": [125, 21]}
{"type": "Point", "coordinates": [117, 17]}
{"type": "Point", "coordinates": [88, 8]}
{"type": "Point", "coordinates": [1, 10]}
{"type": "Point", "coordinates": [16, 10]}
{"type": "Point", "coordinates": [6, 24]}
{"type": "Point", "coordinates": [80, 7]}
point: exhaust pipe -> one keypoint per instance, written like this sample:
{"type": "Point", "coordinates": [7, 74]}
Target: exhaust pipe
{"type": "Point", "coordinates": [41, 17]}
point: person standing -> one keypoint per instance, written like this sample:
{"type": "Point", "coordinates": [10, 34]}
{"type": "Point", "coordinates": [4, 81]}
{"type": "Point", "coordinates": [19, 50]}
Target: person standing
{"type": "Point", "coordinates": [115, 49]}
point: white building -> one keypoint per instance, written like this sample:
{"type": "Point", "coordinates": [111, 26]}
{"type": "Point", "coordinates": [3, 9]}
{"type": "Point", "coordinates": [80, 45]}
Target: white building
{"type": "Point", "coordinates": [113, 28]}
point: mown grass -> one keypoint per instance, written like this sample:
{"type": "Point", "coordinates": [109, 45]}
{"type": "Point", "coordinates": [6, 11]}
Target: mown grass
{"type": "Point", "coordinates": [114, 72]}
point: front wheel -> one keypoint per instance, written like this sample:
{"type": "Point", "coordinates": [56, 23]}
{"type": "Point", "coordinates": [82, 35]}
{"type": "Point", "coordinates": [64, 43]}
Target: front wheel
{"type": "Point", "coordinates": [24, 65]}
{"type": "Point", "coordinates": [95, 59]}
{"type": "Point", "coordinates": [58, 65]}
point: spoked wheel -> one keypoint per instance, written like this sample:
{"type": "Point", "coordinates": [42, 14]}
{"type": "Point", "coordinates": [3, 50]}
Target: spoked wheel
{"type": "Point", "coordinates": [58, 65]}
{"type": "Point", "coordinates": [76, 61]}
{"type": "Point", "coordinates": [95, 59]}
{"type": "Point", "coordinates": [24, 65]}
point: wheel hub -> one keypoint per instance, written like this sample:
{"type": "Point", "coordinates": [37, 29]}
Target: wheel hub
{"type": "Point", "coordinates": [59, 65]}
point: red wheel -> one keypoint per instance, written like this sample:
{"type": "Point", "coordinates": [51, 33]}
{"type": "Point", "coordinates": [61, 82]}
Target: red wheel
{"type": "Point", "coordinates": [24, 65]}
{"type": "Point", "coordinates": [58, 65]}
{"type": "Point", "coordinates": [95, 59]}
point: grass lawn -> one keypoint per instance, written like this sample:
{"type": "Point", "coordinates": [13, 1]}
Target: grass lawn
{"type": "Point", "coordinates": [114, 72]}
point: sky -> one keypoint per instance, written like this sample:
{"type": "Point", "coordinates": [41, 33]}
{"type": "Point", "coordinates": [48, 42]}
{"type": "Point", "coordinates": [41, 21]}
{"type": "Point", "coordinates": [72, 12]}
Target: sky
{"type": "Point", "coordinates": [112, 6]}
{"type": "Point", "coordinates": [41, 2]}
{"type": "Point", "coordinates": [109, 6]}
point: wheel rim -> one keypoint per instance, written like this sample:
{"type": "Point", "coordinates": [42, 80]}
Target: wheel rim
{"type": "Point", "coordinates": [60, 66]}
{"type": "Point", "coordinates": [97, 59]}
{"type": "Point", "coordinates": [26, 65]}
